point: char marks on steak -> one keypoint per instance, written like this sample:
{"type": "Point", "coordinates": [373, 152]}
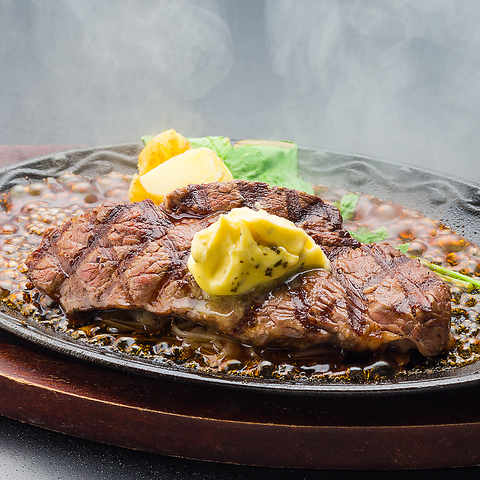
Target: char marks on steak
{"type": "Point", "coordinates": [134, 256]}
{"type": "Point", "coordinates": [319, 219]}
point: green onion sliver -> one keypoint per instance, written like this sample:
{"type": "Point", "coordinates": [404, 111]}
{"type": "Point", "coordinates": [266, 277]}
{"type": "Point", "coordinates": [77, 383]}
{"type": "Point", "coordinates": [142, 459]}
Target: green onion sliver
{"type": "Point", "coordinates": [452, 274]}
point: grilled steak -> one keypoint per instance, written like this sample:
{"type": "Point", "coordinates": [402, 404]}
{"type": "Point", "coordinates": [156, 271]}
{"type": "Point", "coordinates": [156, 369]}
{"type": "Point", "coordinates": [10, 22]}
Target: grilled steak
{"type": "Point", "coordinates": [133, 256]}
{"type": "Point", "coordinates": [319, 219]}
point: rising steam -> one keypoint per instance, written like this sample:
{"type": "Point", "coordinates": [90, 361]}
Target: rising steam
{"type": "Point", "coordinates": [390, 78]}
{"type": "Point", "coordinates": [110, 64]}
{"type": "Point", "coordinates": [396, 79]}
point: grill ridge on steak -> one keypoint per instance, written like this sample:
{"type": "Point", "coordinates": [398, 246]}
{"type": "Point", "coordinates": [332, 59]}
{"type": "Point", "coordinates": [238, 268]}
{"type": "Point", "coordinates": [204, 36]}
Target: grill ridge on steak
{"type": "Point", "coordinates": [134, 256]}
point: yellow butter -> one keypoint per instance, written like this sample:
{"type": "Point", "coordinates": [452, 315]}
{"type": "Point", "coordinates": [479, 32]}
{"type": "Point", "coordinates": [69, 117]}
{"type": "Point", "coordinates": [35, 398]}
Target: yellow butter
{"type": "Point", "coordinates": [199, 165]}
{"type": "Point", "coordinates": [248, 248]}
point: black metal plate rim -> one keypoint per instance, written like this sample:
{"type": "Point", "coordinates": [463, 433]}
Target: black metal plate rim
{"type": "Point", "coordinates": [64, 345]}
{"type": "Point", "coordinates": [335, 169]}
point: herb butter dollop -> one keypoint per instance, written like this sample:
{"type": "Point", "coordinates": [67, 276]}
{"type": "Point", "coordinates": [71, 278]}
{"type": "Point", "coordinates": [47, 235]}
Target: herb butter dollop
{"type": "Point", "coordinates": [247, 248]}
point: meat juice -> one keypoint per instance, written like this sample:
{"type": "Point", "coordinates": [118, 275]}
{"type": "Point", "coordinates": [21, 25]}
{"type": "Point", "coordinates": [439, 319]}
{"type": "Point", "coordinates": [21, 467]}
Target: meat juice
{"type": "Point", "coordinates": [29, 209]}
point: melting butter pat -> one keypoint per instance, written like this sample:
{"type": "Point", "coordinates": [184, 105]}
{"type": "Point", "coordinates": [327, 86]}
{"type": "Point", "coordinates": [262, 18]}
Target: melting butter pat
{"type": "Point", "coordinates": [248, 248]}
{"type": "Point", "coordinates": [199, 165]}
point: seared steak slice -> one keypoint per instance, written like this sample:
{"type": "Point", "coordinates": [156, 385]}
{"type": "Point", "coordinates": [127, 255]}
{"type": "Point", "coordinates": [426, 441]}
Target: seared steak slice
{"type": "Point", "coordinates": [397, 293]}
{"type": "Point", "coordinates": [374, 296]}
{"type": "Point", "coordinates": [309, 212]}
{"type": "Point", "coordinates": [121, 254]}
{"type": "Point", "coordinates": [134, 257]}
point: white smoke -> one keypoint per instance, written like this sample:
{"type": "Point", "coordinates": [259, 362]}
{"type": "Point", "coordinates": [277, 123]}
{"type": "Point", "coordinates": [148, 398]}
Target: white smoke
{"type": "Point", "coordinates": [395, 79]}
{"type": "Point", "coordinates": [111, 65]}
{"type": "Point", "coordinates": [388, 78]}
{"type": "Point", "coordinates": [185, 45]}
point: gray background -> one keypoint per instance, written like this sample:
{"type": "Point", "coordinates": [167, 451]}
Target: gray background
{"type": "Point", "coordinates": [392, 79]}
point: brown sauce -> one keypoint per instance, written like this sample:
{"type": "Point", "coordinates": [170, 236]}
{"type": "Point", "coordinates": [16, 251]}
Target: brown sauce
{"type": "Point", "coordinates": [30, 209]}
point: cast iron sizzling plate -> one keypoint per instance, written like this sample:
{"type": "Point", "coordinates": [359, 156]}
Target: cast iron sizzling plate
{"type": "Point", "coordinates": [453, 201]}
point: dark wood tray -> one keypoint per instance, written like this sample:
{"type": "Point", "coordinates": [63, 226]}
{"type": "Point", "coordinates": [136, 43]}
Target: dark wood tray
{"type": "Point", "coordinates": [430, 430]}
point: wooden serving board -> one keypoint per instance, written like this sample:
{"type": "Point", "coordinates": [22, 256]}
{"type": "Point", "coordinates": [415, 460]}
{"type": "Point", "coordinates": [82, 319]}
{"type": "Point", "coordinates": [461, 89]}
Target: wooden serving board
{"type": "Point", "coordinates": [46, 389]}
{"type": "Point", "coordinates": [419, 430]}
